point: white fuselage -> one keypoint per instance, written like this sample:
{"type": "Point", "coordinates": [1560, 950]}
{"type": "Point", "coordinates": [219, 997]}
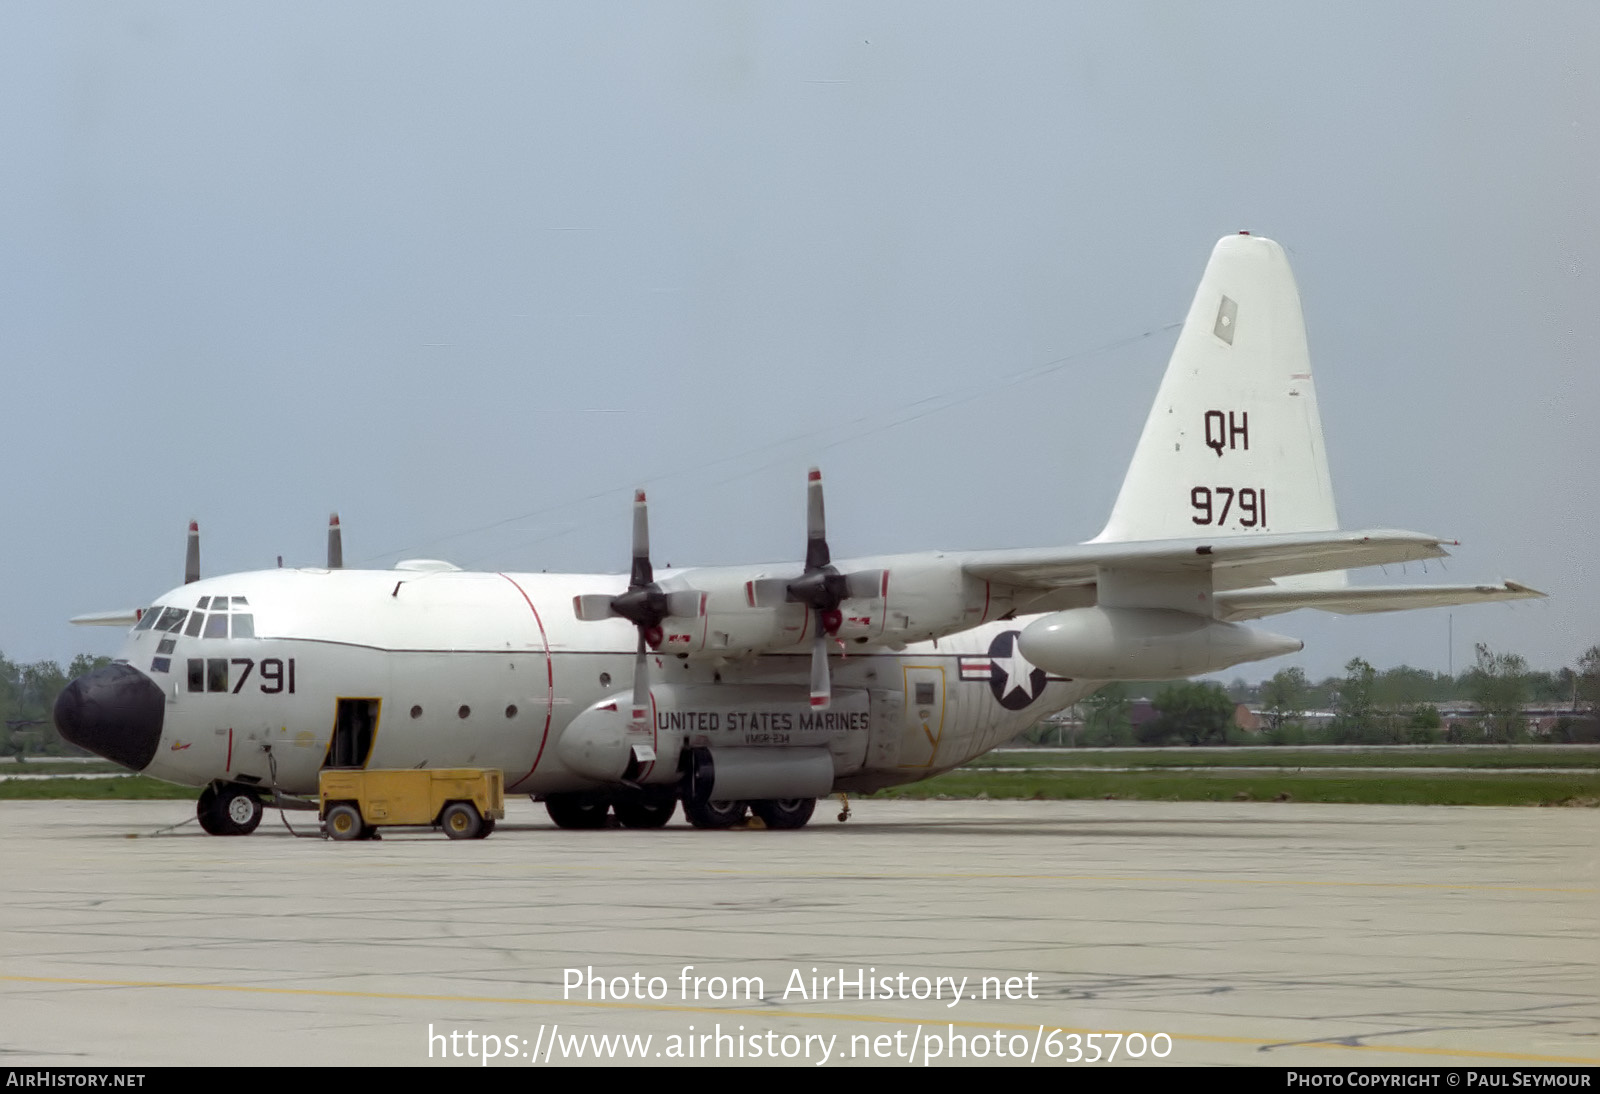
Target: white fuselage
{"type": "Point", "coordinates": [489, 670]}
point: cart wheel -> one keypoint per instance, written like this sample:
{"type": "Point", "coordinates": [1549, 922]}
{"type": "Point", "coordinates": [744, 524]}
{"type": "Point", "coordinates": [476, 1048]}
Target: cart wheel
{"type": "Point", "coordinates": [461, 820]}
{"type": "Point", "coordinates": [343, 822]}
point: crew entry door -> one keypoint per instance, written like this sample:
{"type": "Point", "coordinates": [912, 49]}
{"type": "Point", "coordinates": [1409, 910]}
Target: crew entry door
{"type": "Point", "coordinates": [924, 715]}
{"type": "Point", "coordinates": [355, 727]}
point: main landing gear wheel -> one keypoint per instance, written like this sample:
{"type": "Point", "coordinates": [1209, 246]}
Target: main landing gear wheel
{"type": "Point", "coordinates": [640, 809]}
{"type": "Point", "coordinates": [343, 822]}
{"type": "Point", "coordinates": [713, 814]}
{"type": "Point", "coordinates": [784, 812]}
{"type": "Point", "coordinates": [230, 811]}
{"type": "Point", "coordinates": [461, 820]}
{"type": "Point", "coordinates": [577, 810]}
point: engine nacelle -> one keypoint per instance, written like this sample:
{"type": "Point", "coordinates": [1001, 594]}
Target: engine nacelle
{"type": "Point", "coordinates": [603, 744]}
{"type": "Point", "coordinates": [915, 601]}
{"type": "Point", "coordinates": [1143, 644]}
{"type": "Point", "coordinates": [763, 737]}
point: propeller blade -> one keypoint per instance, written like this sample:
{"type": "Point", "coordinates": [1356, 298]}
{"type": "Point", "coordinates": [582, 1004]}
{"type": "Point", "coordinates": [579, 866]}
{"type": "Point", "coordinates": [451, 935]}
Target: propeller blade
{"type": "Point", "coordinates": [767, 592]}
{"type": "Point", "coordinates": [641, 684]}
{"type": "Point", "coordinates": [191, 561]}
{"type": "Point", "coordinates": [335, 544]}
{"type": "Point", "coordinates": [867, 584]}
{"type": "Point", "coordinates": [821, 685]}
{"type": "Point", "coordinates": [816, 524]}
{"type": "Point", "coordinates": [643, 574]}
{"type": "Point", "coordinates": [686, 604]}
{"type": "Point", "coordinates": [591, 607]}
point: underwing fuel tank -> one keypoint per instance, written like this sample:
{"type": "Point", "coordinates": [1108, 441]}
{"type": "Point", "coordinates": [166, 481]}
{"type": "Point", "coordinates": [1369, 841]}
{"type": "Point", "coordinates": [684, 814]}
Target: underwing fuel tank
{"type": "Point", "coordinates": [1143, 644]}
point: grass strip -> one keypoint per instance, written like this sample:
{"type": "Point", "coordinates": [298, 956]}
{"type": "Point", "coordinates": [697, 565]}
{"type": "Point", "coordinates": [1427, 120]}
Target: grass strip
{"type": "Point", "coordinates": [135, 787]}
{"type": "Point", "coordinates": [1550, 756]}
{"type": "Point", "coordinates": [1379, 788]}
{"type": "Point", "coordinates": [60, 767]}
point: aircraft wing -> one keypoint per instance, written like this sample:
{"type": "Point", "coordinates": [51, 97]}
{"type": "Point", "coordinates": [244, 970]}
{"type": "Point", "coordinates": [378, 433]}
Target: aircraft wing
{"type": "Point", "coordinates": [1236, 562]}
{"type": "Point", "coordinates": [107, 619]}
{"type": "Point", "coordinates": [1353, 600]}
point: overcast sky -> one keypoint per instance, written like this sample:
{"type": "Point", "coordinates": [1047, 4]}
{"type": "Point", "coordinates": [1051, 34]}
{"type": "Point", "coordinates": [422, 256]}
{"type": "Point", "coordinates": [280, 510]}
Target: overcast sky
{"type": "Point", "coordinates": [469, 273]}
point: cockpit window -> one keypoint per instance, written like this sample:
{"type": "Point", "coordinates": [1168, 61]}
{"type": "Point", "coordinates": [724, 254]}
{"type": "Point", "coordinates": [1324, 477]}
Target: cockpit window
{"type": "Point", "coordinates": [244, 626]}
{"type": "Point", "coordinates": [217, 625]}
{"type": "Point", "coordinates": [205, 602]}
{"type": "Point", "coordinates": [147, 619]}
{"type": "Point", "coordinates": [196, 620]}
{"type": "Point", "coordinates": [171, 619]}
{"type": "Point", "coordinates": [240, 602]}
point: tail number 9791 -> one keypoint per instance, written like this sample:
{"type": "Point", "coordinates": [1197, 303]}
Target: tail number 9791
{"type": "Point", "coordinates": [1215, 504]}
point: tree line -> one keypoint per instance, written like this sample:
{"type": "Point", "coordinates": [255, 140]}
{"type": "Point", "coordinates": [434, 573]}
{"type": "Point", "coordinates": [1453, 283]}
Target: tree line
{"type": "Point", "coordinates": [27, 696]}
{"type": "Point", "coordinates": [1364, 706]}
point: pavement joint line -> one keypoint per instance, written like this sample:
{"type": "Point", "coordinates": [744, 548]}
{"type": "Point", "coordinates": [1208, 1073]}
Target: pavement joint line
{"type": "Point", "coordinates": [1094, 877]}
{"type": "Point", "coordinates": [676, 1008]}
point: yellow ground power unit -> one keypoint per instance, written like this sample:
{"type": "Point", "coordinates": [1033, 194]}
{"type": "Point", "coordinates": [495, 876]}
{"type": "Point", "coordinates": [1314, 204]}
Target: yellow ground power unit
{"type": "Point", "coordinates": [464, 801]}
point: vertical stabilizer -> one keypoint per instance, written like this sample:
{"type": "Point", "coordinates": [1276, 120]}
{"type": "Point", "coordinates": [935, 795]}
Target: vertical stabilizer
{"type": "Point", "coordinates": [1233, 445]}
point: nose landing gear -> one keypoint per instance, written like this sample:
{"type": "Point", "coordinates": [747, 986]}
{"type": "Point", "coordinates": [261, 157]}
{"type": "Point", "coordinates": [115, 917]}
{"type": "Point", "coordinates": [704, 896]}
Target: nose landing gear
{"type": "Point", "coordinates": [228, 810]}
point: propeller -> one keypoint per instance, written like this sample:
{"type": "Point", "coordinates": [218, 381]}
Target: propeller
{"type": "Point", "coordinates": [645, 604]}
{"type": "Point", "coordinates": [191, 560]}
{"type": "Point", "coordinates": [822, 587]}
{"type": "Point", "coordinates": [335, 543]}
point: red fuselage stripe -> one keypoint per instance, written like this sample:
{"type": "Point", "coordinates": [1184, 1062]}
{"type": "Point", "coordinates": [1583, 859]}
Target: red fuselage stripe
{"type": "Point", "coordinates": [550, 689]}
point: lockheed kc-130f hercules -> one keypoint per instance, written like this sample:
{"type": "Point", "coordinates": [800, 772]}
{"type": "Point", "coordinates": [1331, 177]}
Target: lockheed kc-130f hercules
{"type": "Point", "coordinates": [721, 688]}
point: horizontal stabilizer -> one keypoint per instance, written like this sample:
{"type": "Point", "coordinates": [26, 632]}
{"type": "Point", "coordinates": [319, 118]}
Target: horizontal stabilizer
{"type": "Point", "coordinates": [1354, 600]}
{"type": "Point", "coordinates": [1236, 562]}
{"type": "Point", "coordinates": [107, 619]}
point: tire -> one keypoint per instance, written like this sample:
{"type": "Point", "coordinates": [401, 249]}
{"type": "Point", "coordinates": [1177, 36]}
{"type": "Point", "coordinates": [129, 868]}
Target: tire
{"type": "Point", "coordinates": [577, 810]}
{"type": "Point", "coordinates": [231, 811]}
{"type": "Point", "coordinates": [461, 820]}
{"type": "Point", "coordinates": [487, 827]}
{"type": "Point", "coordinates": [714, 814]}
{"type": "Point", "coordinates": [784, 812]}
{"type": "Point", "coordinates": [639, 809]}
{"type": "Point", "coordinates": [343, 822]}
{"type": "Point", "coordinates": [214, 823]}
{"type": "Point", "coordinates": [241, 807]}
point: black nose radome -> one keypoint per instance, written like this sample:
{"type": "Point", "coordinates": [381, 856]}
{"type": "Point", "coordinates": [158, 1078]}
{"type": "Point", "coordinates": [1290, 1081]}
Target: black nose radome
{"type": "Point", "coordinates": [115, 711]}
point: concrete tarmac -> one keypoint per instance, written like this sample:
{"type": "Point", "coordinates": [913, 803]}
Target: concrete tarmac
{"type": "Point", "coordinates": [1245, 933]}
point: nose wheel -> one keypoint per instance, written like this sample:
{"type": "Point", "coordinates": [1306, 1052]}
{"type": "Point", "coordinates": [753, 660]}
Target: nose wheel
{"type": "Point", "coordinates": [229, 810]}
